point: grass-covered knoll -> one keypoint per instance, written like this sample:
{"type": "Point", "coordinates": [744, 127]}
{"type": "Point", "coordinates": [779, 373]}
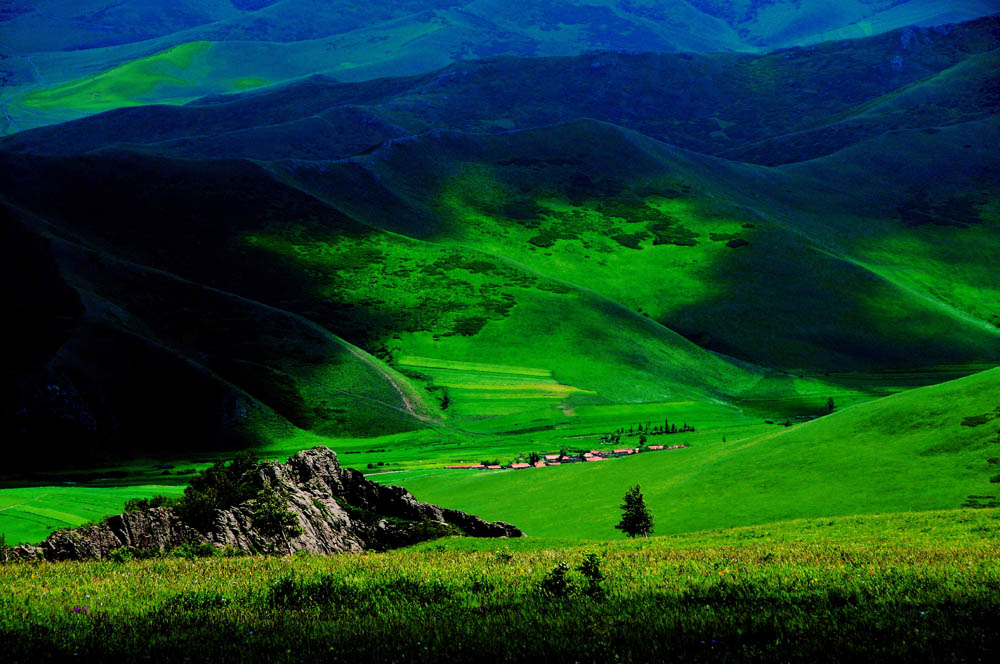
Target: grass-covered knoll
{"type": "Point", "coordinates": [914, 450]}
{"type": "Point", "coordinates": [231, 370]}
{"type": "Point", "coordinates": [878, 588]}
{"type": "Point", "coordinates": [960, 93]}
{"type": "Point", "coordinates": [131, 84]}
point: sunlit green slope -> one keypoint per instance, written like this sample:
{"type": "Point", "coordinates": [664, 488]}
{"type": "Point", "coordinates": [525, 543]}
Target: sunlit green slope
{"type": "Point", "coordinates": [784, 268]}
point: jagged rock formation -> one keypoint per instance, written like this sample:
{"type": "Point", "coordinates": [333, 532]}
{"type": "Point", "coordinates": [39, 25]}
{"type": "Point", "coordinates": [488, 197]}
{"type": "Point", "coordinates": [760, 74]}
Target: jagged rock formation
{"type": "Point", "coordinates": [337, 510]}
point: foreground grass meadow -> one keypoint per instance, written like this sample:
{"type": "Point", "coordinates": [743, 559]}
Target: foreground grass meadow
{"type": "Point", "coordinates": [903, 587]}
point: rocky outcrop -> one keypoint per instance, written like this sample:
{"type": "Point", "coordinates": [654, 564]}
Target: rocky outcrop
{"type": "Point", "coordinates": [337, 510]}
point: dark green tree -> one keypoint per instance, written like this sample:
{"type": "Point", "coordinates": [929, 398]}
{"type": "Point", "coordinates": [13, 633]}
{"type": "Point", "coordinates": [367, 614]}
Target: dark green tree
{"type": "Point", "coordinates": [636, 517]}
{"type": "Point", "coordinates": [830, 406]}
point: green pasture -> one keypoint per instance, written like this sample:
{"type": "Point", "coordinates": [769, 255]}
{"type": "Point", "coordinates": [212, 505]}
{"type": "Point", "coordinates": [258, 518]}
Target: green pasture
{"type": "Point", "coordinates": [914, 450]}
{"type": "Point", "coordinates": [456, 304]}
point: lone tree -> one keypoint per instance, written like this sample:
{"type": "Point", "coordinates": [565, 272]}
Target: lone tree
{"type": "Point", "coordinates": [636, 518]}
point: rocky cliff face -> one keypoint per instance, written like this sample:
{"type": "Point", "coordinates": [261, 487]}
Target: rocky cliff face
{"type": "Point", "coordinates": [337, 510]}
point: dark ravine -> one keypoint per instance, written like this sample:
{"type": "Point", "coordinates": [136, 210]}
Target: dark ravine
{"type": "Point", "coordinates": [337, 509]}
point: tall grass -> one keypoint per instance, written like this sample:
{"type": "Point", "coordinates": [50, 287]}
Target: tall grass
{"type": "Point", "coordinates": [908, 588]}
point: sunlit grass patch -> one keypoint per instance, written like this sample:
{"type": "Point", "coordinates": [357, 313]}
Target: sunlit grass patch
{"type": "Point", "coordinates": [129, 84]}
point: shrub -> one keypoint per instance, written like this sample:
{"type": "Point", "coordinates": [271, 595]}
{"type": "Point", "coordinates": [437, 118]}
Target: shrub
{"type": "Point", "coordinates": [124, 554]}
{"type": "Point", "coordinates": [121, 555]}
{"type": "Point", "coordinates": [555, 583]}
{"type": "Point", "coordinates": [976, 420]}
{"type": "Point", "coordinates": [590, 568]}
{"type": "Point", "coordinates": [503, 555]}
{"type": "Point", "coordinates": [271, 514]}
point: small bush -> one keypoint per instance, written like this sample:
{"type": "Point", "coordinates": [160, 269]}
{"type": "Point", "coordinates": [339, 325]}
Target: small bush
{"type": "Point", "coordinates": [121, 555]}
{"type": "Point", "coordinates": [590, 568]}
{"type": "Point", "coordinates": [503, 555]}
{"type": "Point", "coordinates": [555, 583]}
{"type": "Point", "coordinates": [976, 420]}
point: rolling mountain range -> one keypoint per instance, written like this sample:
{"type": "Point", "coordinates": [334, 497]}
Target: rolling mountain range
{"type": "Point", "coordinates": [506, 236]}
{"type": "Point", "coordinates": [61, 60]}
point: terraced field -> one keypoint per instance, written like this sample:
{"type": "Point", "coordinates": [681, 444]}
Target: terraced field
{"type": "Point", "coordinates": [486, 390]}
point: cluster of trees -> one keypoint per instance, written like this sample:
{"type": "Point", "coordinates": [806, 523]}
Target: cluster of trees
{"type": "Point", "coordinates": [643, 432]}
